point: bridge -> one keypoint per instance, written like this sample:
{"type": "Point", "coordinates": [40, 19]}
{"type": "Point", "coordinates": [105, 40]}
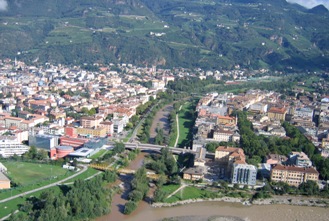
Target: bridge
{"type": "Point", "coordinates": [153, 147]}
{"type": "Point", "coordinates": [105, 167]}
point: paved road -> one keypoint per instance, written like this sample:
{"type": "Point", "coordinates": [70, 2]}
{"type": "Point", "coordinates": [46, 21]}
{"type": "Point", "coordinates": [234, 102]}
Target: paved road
{"type": "Point", "coordinates": [47, 186]}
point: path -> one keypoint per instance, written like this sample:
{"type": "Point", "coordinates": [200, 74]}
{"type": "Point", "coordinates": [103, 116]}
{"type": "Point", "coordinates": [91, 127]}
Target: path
{"type": "Point", "coordinates": [176, 191]}
{"type": "Point", "coordinates": [88, 178]}
{"type": "Point", "coordinates": [177, 124]}
{"type": "Point", "coordinates": [45, 187]}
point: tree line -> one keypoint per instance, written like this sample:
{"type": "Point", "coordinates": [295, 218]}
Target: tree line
{"type": "Point", "coordinates": [83, 201]}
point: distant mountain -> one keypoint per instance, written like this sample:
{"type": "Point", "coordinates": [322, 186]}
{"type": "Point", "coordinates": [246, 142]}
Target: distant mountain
{"type": "Point", "coordinates": [169, 33]}
{"type": "Point", "coordinates": [320, 10]}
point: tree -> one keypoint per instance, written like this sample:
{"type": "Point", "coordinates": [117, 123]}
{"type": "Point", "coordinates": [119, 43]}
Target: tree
{"type": "Point", "coordinates": [109, 176]}
{"type": "Point", "coordinates": [119, 147]}
{"type": "Point", "coordinates": [159, 195]}
{"type": "Point", "coordinates": [130, 206]}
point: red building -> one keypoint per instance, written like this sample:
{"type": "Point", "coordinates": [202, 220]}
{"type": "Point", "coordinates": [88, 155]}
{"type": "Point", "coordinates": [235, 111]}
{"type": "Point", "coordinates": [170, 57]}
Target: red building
{"type": "Point", "coordinates": [73, 142]}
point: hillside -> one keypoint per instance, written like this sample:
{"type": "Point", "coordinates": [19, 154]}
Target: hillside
{"type": "Point", "coordinates": [187, 33]}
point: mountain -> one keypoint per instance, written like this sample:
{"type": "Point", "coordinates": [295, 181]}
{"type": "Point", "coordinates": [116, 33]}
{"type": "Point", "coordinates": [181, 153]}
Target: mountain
{"type": "Point", "coordinates": [169, 33]}
{"type": "Point", "coordinates": [320, 10]}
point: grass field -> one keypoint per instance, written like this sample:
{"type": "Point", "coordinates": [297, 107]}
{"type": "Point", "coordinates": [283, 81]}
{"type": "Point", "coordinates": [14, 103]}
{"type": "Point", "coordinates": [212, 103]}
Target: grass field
{"type": "Point", "coordinates": [190, 193]}
{"type": "Point", "coordinates": [98, 154]}
{"type": "Point", "coordinates": [32, 173]}
{"type": "Point", "coordinates": [89, 172]}
{"type": "Point", "coordinates": [185, 122]}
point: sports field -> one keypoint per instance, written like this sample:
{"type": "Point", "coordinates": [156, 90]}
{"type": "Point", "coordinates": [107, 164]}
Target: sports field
{"type": "Point", "coordinates": [25, 173]}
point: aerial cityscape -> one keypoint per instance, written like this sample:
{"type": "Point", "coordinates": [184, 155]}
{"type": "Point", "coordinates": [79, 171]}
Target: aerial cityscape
{"type": "Point", "coordinates": [164, 110]}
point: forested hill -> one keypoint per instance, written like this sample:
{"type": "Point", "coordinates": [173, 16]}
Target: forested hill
{"type": "Point", "coordinates": [186, 33]}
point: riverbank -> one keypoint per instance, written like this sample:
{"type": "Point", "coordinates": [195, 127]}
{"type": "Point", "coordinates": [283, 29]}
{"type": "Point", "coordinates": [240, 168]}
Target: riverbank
{"type": "Point", "coordinates": [285, 200]}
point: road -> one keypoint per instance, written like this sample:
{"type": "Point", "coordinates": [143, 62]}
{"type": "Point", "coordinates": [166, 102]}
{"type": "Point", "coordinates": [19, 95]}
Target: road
{"type": "Point", "coordinates": [45, 187]}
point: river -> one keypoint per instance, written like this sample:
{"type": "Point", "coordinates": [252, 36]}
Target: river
{"type": "Point", "coordinates": [145, 212]}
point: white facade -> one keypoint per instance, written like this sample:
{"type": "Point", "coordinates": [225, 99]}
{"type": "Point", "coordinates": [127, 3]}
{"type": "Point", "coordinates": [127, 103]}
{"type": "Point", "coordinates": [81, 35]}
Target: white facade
{"type": "Point", "coordinates": [304, 113]}
{"type": "Point", "coordinates": [10, 148]}
{"type": "Point", "coordinates": [244, 174]}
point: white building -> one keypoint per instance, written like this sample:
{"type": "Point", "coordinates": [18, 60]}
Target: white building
{"type": "Point", "coordinates": [11, 147]}
{"type": "Point", "coordinates": [304, 112]}
{"type": "Point", "coordinates": [244, 174]}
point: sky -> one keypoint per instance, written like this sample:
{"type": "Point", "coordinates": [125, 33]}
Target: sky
{"type": "Point", "coordinates": [311, 3]}
{"type": "Point", "coordinates": [3, 5]}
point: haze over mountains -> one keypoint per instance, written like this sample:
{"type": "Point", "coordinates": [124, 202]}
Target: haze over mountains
{"type": "Point", "coordinates": [311, 3]}
{"type": "Point", "coordinates": [186, 33]}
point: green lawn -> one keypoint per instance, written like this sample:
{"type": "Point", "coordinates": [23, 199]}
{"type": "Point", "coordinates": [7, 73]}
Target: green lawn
{"type": "Point", "coordinates": [185, 122]}
{"type": "Point", "coordinates": [98, 154]}
{"type": "Point", "coordinates": [170, 188]}
{"type": "Point", "coordinates": [190, 193]}
{"type": "Point", "coordinates": [32, 173]}
{"type": "Point", "coordinates": [89, 172]}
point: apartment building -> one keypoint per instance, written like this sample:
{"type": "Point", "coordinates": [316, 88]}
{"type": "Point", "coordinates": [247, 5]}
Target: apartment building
{"type": "Point", "coordinates": [292, 175]}
{"type": "Point", "coordinates": [275, 113]}
{"type": "Point", "coordinates": [10, 147]}
{"type": "Point", "coordinates": [244, 174]}
{"type": "Point", "coordinates": [89, 122]}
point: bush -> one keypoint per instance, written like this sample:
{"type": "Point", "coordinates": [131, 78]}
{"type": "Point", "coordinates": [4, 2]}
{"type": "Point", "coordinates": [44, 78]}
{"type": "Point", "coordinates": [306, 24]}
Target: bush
{"type": "Point", "coordinates": [130, 206]}
{"type": "Point", "coordinates": [135, 196]}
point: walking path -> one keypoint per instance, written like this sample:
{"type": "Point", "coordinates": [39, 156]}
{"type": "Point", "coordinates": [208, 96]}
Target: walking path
{"type": "Point", "coordinates": [176, 191]}
{"type": "Point", "coordinates": [177, 124]}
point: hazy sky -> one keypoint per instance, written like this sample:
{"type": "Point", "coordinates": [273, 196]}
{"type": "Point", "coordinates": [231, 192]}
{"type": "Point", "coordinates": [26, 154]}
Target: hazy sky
{"type": "Point", "coordinates": [3, 5]}
{"type": "Point", "coordinates": [311, 3]}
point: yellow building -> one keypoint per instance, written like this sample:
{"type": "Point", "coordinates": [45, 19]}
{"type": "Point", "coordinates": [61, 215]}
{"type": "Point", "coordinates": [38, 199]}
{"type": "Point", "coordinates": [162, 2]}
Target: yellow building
{"type": "Point", "coordinates": [228, 155]}
{"type": "Point", "coordinates": [4, 182]}
{"type": "Point", "coordinates": [277, 113]}
{"type": "Point", "coordinates": [226, 120]}
{"type": "Point", "coordinates": [292, 175]}
{"type": "Point", "coordinates": [194, 173]}
{"type": "Point", "coordinates": [97, 132]}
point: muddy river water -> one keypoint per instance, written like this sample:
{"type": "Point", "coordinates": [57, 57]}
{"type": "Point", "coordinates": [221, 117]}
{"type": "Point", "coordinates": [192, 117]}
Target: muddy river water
{"type": "Point", "coordinates": [205, 209]}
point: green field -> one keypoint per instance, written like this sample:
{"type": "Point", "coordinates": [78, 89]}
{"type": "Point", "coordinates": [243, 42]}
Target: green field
{"type": "Point", "coordinates": [98, 154]}
{"type": "Point", "coordinates": [89, 172]}
{"type": "Point", "coordinates": [31, 173]}
{"type": "Point", "coordinates": [186, 123]}
{"type": "Point", "coordinates": [190, 193]}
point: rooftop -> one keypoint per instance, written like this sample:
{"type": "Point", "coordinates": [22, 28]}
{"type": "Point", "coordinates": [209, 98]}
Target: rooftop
{"type": "Point", "coordinates": [296, 169]}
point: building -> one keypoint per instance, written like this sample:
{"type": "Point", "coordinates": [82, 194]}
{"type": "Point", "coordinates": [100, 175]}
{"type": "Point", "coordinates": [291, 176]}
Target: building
{"type": "Point", "coordinates": [60, 152]}
{"type": "Point", "coordinates": [274, 159]}
{"type": "Point", "coordinates": [90, 122]}
{"type": "Point", "coordinates": [91, 132]}
{"type": "Point", "coordinates": [226, 135]}
{"type": "Point", "coordinates": [300, 159]}
{"type": "Point", "coordinates": [244, 174]}
{"type": "Point", "coordinates": [11, 147]}
{"type": "Point", "coordinates": [228, 155]}
{"type": "Point", "coordinates": [226, 120]}
{"type": "Point", "coordinates": [194, 173]}
{"type": "Point", "coordinates": [306, 113]}
{"type": "Point", "coordinates": [258, 108]}
{"type": "Point", "coordinates": [73, 142]}
{"type": "Point", "coordinates": [275, 113]}
{"type": "Point", "coordinates": [82, 153]}
{"type": "Point", "coordinates": [293, 175]}
{"type": "Point", "coordinates": [200, 157]}
{"type": "Point", "coordinates": [43, 141]}
{"type": "Point", "coordinates": [108, 126]}
{"type": "Point", "coordinates": [4, 181]}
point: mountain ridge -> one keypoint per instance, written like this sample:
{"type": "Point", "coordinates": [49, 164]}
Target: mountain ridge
{"type": "Point", "coordinates": [214, 34]}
